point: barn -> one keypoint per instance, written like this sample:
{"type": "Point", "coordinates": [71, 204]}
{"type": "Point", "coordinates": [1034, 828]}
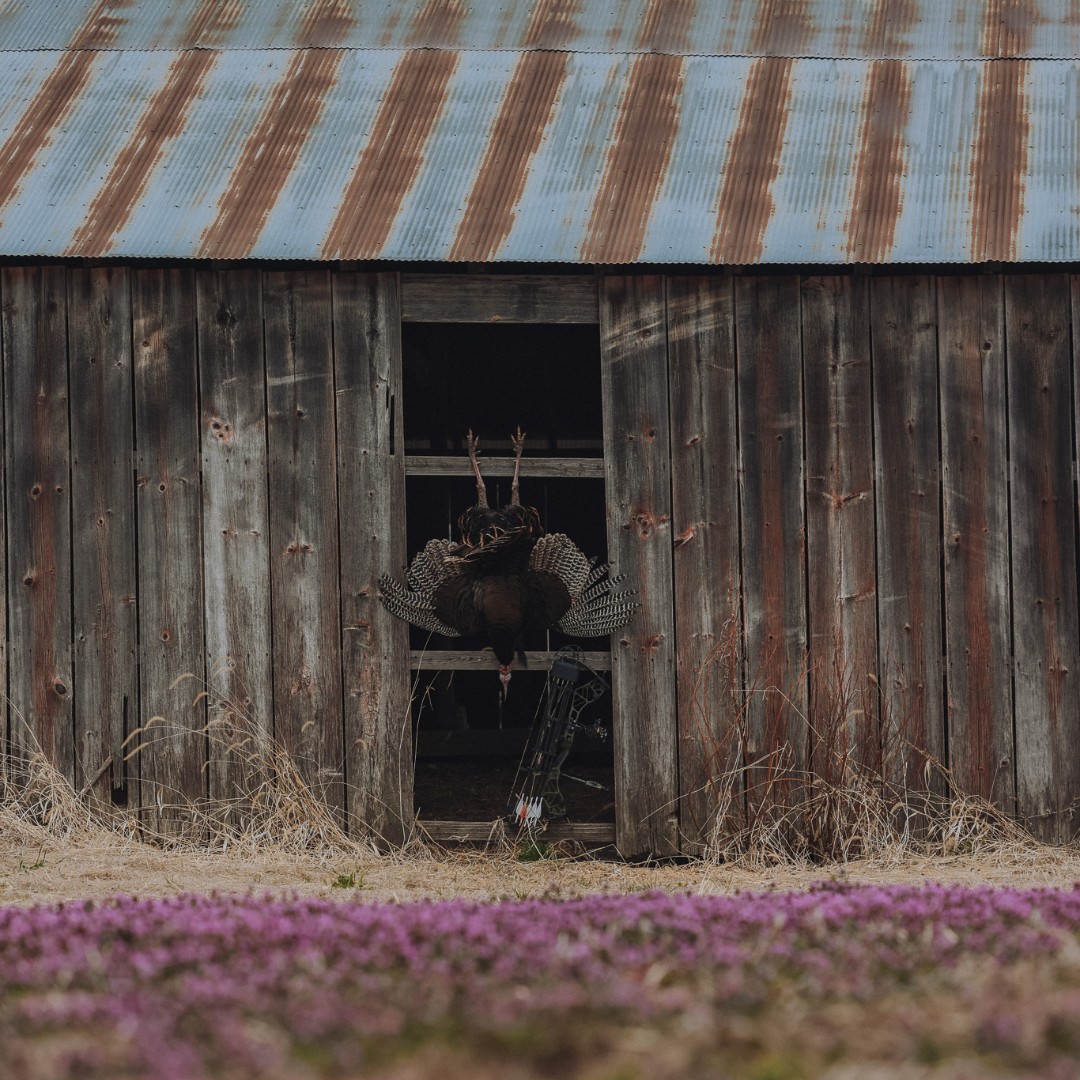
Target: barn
{"type": "Point", "coordinates": [783, 294]}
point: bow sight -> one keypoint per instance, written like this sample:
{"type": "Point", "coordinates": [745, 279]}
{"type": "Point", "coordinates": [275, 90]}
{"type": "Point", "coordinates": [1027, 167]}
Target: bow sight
{"type": "Point", "coordinates": [571, 685]}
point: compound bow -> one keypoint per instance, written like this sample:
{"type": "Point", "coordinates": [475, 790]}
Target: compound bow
{"type": "Point", "coordinates": [571, 685]}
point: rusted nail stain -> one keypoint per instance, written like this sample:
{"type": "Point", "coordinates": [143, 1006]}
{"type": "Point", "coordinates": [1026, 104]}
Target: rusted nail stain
{"type": "Point", "coordinates": [222, 429]}
{"type": "Point", "coordinates": [684, 537]}
{"type": "Point", "coordinates": [298, 548]}
{"type": "Point", "coordinates": [651, 644]}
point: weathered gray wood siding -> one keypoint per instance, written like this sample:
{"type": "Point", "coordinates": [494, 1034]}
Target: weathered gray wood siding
{"type": "Point", "coordinates": [847, 501]}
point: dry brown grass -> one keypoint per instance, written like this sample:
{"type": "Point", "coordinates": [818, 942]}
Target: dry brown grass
{"type": "Point", "coordinates": [278, 835]}
{"type": "Point", "coordinates": [845, 778]}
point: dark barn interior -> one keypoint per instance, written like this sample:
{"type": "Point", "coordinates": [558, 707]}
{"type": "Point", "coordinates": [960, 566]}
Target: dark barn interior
{"type": "Point", "coordinates": [492, 379]}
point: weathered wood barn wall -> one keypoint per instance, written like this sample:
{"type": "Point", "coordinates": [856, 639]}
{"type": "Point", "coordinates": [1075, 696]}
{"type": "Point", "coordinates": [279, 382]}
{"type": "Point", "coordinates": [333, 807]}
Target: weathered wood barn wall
{"type": "Point", "coordinates": [847, 500]}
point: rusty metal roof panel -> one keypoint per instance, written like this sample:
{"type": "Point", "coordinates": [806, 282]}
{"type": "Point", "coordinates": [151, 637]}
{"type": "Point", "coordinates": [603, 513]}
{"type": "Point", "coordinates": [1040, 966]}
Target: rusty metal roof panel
{"type": "Point", "coordinates": [315, 191]}
{"type": "Point", "coordinates": [834, 29]}
{"type": "Point", "coordinates": [550, 219]}
{"type": "Point", "coordinates": [537, 155]}
{"type": "Point", "coordinates": [1050, 222]}
{"type": "Point", "coordinates": [181, 196]}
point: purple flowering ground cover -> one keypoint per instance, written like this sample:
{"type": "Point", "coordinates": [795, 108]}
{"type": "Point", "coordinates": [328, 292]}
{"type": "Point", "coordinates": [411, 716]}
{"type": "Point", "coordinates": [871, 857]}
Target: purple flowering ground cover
{"type": "Point", "coordinates": [941, 981]}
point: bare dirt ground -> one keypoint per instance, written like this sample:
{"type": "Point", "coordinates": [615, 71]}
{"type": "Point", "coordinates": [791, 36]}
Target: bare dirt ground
{"type": "Point", "coordinates": [37, 868]}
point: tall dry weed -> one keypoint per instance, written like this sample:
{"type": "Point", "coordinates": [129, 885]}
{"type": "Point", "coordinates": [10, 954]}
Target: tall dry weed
{"type": "Point", "coordinates": [848, 777]}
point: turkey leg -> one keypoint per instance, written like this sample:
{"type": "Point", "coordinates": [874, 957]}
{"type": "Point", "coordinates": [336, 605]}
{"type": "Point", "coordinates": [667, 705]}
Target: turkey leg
{"type": "Point", "coordinates": [518, 441]}
{"type": "Point", "coordinates": [473, 444]}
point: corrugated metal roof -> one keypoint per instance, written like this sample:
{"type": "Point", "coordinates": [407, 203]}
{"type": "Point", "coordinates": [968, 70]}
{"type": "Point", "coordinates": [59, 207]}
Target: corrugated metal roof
{"type": "Point", "coordinates": [833, 29]}
{"type": "Point", "coordinates": [679, 140]}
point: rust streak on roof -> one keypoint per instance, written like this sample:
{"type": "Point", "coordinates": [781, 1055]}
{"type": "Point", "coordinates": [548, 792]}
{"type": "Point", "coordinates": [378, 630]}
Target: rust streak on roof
{"type": "Point", "coordinates": [270, 153]}
{"type": "Point", "coordinates": [887, 31]}
{"type": "Point", "coordinates": [1000, 162]}
{"type": "Point", "coordinates": [636, 161]}
{"type": "Point", "coordinates": [553, 24]}
{"type": "Point", "coordinates": [438, 24]}
{"type": "Point", "coordinates": [783, 27]}
{"type": "Point", "coordinates": [392, 156]}
{"type": "Point", "coordinates": [515, 138]}
{"type": "Point", "coordinates": [871, 223]}
{"type": "Point", "coordinates": [211, 23]}
{"type": "Point", "coordinates": [666, 26]}
{"type": "Point", "coordinates": [57, 96]}
{"type": "Point", "coordinates": [162, 120]}
{"type": "Point", "coordinates": [327, 23]}
{"type": "Point", "coordinates": [1008, 26]}
{"type": "Point", "coordinates": [100, 27]}
{"type": "Point", "coordinates": [745, 203]}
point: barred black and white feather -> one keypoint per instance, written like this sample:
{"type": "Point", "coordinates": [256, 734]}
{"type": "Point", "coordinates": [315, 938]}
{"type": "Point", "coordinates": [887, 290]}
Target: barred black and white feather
{"type": "Point", "coordinates": [415, 601]}
{"type": "Point", "coordinates": [595, 609]}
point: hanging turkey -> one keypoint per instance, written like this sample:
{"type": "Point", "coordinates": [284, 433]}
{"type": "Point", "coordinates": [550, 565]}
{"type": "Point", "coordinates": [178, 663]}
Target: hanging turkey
{"type": "Point", "coordinates": [506, 578]}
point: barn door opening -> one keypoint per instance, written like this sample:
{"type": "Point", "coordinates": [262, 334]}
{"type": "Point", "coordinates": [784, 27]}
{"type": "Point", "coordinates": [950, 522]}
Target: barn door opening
{"type": "Point", "coordinates": [491, 378]}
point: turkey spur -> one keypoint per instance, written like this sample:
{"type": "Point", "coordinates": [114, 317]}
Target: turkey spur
{"type": "Point", "coordinates": [506, 578]}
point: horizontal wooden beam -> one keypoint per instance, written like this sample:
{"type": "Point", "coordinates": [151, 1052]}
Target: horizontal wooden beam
{"type": "Point", "coordinates": [586, 832]}
{"type": "Point", "coordinates": [459, 660]}
{"type": "Point", "coordinates": [483, 298]}
{"type": "Point", "coordinates": [534, 468]}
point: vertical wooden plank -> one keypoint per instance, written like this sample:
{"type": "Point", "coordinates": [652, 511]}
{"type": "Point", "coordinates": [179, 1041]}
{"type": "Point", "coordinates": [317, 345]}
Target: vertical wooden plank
{"type": "Point", "coordinates": [975, 506]}
{"type": "Point", "coordinates": [236, 525]}
{"type": "Point", "coordinates": [371, 493]}
{"type": "Point", "coordinates": [904, 349]}
{"type": "Point", "coordinates": [705, 501]}
{"type": "Point", "coordinates": [38, 513]}
{"type": "Point", "coordinates": [1045, 648]}
{"type": "Point", "coordinates": [172, 673]}
{"type": "Point", "coordinates": [774, 582]}
{"type": "Point", "coordinates": [633, 353]}
{"type": "Point", "coordinates": [841, 576]}
{"type": "Point", "coordinates": [103, 530]}
{"type": "Point", "coordinates": [304, 563]}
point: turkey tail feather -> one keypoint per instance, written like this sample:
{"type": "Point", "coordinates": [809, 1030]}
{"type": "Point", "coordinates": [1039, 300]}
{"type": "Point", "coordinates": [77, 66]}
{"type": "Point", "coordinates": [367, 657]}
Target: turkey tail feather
{"type": "Point", "coordinates": [415, 601]}
{"type": "Point", "coordinates": [595, 609]}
